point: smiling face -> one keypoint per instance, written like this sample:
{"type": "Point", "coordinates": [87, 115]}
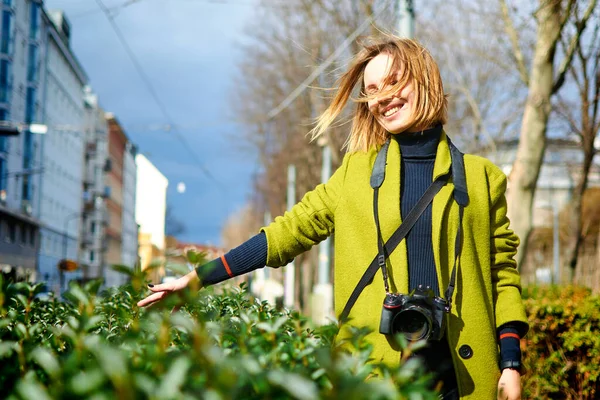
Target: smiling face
{"type": "Point", "coordinates": [394, 111]}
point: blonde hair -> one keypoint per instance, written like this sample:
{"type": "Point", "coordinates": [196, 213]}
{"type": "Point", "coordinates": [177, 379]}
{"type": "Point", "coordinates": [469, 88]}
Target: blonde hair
{"type": "Point", "coordinates": [414, 64]}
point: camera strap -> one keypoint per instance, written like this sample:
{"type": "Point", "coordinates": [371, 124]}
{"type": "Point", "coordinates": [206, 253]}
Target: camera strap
{"type": "Point", "coordinates": [377, 177]}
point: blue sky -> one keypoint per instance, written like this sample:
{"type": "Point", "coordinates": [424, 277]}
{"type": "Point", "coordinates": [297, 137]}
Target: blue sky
{"type": "Point", "coordinates": [187, 49]}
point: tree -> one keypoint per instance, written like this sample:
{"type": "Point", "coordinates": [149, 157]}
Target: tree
{"type": "Point", "coordinates": [286, 43]}
{"type": "Point", "coordinates": [552, 16]}
{"type": "Point", "coordinates": [582, 117]}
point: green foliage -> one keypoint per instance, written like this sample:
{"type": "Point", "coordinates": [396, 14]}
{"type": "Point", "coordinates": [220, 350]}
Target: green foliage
{"type": "Point", "coordinates": [562, 348]}
{"type": "Point", "coordinates": [216, 346]}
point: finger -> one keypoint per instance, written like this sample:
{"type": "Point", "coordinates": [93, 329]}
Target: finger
{"type": "Point", "coordinates": [153, 298]}
{"type": "Point", "coordinates": [163, 287]}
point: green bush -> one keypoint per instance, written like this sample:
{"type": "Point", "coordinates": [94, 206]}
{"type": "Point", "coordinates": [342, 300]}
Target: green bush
{"type": "Point", "coordinates": [216, 346]}
{"type": "Point", "coordinates": [562, 349]}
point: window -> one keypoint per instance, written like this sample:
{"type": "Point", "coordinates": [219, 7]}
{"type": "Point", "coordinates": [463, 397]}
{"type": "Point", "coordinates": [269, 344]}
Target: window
{"type": "Point", "coordinates": [5, 81]}
{"type": "Point", "coordinates": [32, 63]}
{"type": "Point", "coordinates": [3, 176]}
{"type": "Point", "coordinates": [93, 227]}
{"type": "Point", "coordinates": [29, 103]}
{"type": "Point", "coordinates": [12, 233]}
{"type": "Point", "coordinates": [26, 195]}
{"type": "Point", "coordinates": [92, 255]}
{"type": "Point", "coordinates": [35, 21]}
{"type": "Point", "coordinates": [23, 234]}
{"type": "Point", "coordinates": [6, 39]}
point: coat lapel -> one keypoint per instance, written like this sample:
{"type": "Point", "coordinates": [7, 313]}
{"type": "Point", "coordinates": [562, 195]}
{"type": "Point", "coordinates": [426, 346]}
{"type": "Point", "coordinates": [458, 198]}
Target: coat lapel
{"type": "Point", "coordinates": [390, 218]}
{"type": "Point", "coordinates": [444, 220]}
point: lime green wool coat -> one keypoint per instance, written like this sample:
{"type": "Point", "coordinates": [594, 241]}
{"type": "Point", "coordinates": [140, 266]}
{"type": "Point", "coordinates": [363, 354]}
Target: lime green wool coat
{"type": "Point", "coordinates": [487, 293]}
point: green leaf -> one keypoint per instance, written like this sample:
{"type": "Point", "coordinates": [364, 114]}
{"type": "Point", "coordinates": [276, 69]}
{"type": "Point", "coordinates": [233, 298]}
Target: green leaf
{"type": "Point", "coordinates": [77, 294]}
{"type": "Point", "coordinates": [112, 362]}
{"type": "Point", "coordinates": [297, 386]}
{"type": "Point", "coordinates": [31, 389]}
{"type": "Point", "coordinates": [85, 382]}
{"type": "Point", "coordinates": [123, 269]}
{"type": "Point", "coordinates": [172, 381]}
{"type": "Point", "coordinates": [45, 359]}
{"type": "Point", "coordinates": [179, 269]}
{"type": "Point", "coordinates": [7, 348]}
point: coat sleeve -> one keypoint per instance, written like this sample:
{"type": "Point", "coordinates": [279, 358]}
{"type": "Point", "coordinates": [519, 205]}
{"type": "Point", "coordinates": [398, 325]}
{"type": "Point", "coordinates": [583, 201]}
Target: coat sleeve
{"type": "Point", "coordinates": [506, 281]}
{"type": "Point", "coordinates": [309, 222]}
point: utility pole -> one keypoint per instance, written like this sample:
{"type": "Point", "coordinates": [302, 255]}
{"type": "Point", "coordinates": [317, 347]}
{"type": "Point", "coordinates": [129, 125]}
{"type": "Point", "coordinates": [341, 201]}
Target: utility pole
{"type": "Point", "coordinates": [290, 270]}
{"type": "Point", "coordinates": [555, 242]}
{"type": "Point", "coordinates": [322, 298]}
{"type": "Point", "coordinates": [406, 20]}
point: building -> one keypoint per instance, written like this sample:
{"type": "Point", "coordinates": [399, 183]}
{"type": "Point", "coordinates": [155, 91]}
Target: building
{"type": "Point", "coordinates": [23, 48]}
{"type": "Point", "coordinates": [150, 214]}
{"type": "Point", "coordinates": [61, 199]}
{"type": "Point", "coordinates": [559, 173]}
{"type": "Point", "coordinates": [129, 248]}
{"type": "Point", "coordinates": [121, 231]}
{"type": "Point", "coordinates": [96, 166]}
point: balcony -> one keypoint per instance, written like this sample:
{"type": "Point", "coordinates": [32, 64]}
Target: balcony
{"type": "Point", "coordinates": [90, 150]}
{"type": "Point", "coordinates": [87, 240]}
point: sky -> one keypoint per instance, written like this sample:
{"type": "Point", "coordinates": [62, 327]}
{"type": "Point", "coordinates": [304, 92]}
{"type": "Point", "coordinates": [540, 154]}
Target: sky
{"type": "Point", "coordinates": [188, 51]}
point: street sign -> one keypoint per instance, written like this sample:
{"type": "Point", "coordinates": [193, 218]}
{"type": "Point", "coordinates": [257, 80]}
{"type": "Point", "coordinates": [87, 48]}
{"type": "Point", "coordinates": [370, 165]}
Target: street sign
{"type": "Point", "coordinates": [68, 265]}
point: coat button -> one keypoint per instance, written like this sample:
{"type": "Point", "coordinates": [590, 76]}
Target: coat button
{"type": "Point", "coordinates": [465, 351]}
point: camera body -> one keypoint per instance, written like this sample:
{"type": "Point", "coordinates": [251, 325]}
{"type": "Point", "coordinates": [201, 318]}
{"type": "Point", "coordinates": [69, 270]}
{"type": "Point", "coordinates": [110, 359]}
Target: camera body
{"type": "Point", "coordinates": [417, 316]}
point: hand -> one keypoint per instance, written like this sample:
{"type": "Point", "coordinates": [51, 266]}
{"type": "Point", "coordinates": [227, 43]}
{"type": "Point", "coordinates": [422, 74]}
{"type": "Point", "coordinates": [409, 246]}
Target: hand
{"type": "Point", "coordinates": [165, 289]}
{"type": "Point", "coordinates": [509, 385]}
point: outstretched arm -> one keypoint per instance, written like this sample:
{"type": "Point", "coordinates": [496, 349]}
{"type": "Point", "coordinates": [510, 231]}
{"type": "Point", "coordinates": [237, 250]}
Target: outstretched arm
{"type": "Point", "coordinates": [247, 257]}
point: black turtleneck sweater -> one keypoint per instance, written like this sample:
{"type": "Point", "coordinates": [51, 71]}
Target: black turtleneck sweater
{"type": "Point", "coordinates": [418, 152]}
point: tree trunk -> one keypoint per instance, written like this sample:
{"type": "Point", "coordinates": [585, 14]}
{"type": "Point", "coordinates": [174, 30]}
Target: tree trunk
{"type": "Point", "coordinates": [575, 222]}
{"type": "Point", "coordinates": [532, 143]}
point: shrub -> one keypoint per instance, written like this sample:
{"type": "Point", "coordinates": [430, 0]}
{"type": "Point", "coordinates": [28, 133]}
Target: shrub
{"type": "Point", "coordinates": [217, 346]}
{"type": "Point", "coordinates": [562, 348]}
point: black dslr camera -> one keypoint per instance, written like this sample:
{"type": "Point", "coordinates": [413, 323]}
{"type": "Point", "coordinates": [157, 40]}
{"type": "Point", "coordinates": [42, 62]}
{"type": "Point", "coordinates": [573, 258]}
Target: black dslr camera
{"type": "Point", "coordinates": [417, 316]}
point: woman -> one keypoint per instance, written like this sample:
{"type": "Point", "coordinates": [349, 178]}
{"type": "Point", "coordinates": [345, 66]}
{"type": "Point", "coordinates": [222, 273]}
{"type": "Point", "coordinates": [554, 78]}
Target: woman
{"type": "Point", "coordinates": [402, 108]}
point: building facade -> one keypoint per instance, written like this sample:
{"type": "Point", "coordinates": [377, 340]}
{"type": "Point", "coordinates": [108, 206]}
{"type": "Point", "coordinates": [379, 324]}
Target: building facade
{"type": "Point", "coordinates": [121, 231]}
{"type": "Point", "coordinates": [129, 249]}
{"type": "Point", "coordinates": [62, 156]}
{"type": "Point", "coordinates": [150, 214]}
{"type": "Point", "coordinates": [559, 173]}
{"type": "Point", "coordinates": [94, 217]}
{"type": "Point", "coordinates": [23, 43]}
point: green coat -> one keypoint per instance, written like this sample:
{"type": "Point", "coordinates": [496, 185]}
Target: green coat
{"type": "Point", "coordinates": [487, 292]}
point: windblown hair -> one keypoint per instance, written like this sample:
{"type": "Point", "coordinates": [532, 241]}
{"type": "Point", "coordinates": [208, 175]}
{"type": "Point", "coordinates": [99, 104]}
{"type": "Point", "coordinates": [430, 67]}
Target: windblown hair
{"type": "Point", "coordinates": [413, 63]}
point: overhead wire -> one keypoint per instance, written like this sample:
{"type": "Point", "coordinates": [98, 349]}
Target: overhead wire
{"type": "Point", "coordinates": [156, 98]}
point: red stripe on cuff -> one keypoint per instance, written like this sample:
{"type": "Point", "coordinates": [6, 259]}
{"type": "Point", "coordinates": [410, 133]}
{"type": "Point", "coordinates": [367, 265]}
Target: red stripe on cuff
{"type": "Point", "coordinates": [512, 335]}
{"type": "Point", "coordinates": [226, 266]}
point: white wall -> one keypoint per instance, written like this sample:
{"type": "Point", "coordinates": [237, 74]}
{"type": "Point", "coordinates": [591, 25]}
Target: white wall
{"type": "Point", "coordinates": [151, 200]}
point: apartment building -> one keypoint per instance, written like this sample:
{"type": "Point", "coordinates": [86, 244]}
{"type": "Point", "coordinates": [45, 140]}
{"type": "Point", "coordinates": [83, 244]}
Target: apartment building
{"type": "Point", "coordinates": [129, 249]}
{"type": "Point", "coordinates": [61, 200]}
{"type": "Point", "coordinates": [97, 164]}
{"type": "Point", "coordinates": [121, 230]}
{"type": "Point", "coordinates": [23, 48]}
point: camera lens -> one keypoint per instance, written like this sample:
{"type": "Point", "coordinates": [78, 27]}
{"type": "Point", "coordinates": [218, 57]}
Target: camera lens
{"type": "Point", "coordinates": [413, 324]}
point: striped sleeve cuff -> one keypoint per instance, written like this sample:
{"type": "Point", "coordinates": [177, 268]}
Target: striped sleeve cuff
{"type": "Point", "coordinates": [247, 257]}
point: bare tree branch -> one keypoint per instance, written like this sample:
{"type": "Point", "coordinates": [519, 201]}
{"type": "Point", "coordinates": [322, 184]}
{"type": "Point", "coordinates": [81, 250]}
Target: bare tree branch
{"type": "Point", "coordinates": [514, 40]}
{"type": "Point", "coordinates": [573, 45]}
